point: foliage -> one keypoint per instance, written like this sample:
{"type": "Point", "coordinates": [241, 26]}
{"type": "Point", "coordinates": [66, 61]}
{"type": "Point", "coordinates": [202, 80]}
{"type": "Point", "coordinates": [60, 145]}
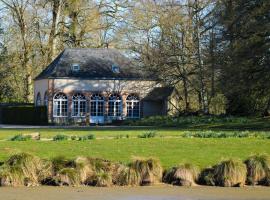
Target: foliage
{"type": "Point", "coordinates": [87, 137]}
{"type": "Point", "coordinates": [187, 120]}
{"type": "Point", "coordinates": [150, 134]}
{"type": "Point", "coordinates": [60, 137]}
{"type": "Point", "coordinates": [184, 175]}
{"type": "Point", "coordinates": [27, 115]}
{"type": "Point", "coordinates": [230, 173]}
{"type": "Point", "coordinates": [20, 138]}
{"type": "Point", "coordinates": [258, 169]}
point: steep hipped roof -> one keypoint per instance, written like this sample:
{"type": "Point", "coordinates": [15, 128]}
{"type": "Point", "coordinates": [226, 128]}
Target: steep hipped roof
{"type": "Point", "coordinates": [94, 64]}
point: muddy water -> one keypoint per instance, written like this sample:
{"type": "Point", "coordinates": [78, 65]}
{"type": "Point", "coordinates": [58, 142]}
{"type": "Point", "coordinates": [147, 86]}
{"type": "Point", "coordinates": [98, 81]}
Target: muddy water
{"type": "Point", "coordinates": [135, 193]}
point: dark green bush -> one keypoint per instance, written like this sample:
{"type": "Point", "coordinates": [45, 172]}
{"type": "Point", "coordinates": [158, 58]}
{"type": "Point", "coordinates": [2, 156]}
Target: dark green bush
{"type": "Point", "coordinates": [20, 138]}
{"type": "Point", "coordinates": [167, 121]}
{"type": "Point", "coordinates": [149, 134]}
{"type": "Point", "coordinates": [60, 137]}
{"type": "Point", "coordinates": [87, 137]}
{"type": "Point", "coordinates": [25, 115]}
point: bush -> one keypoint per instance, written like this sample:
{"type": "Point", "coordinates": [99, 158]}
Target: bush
{"type": "Point", "coordinates": [230, 173]}
{"type": "Point", "coordinates": [87, 137]}
{"type": "Point", "coordinates": [60, 137]}
{"type": "Point", "coordinates": [24, 170]}
{"type": "Point", "coordinates": [258, 170]}
{"type": "Point", "coordinates": [21, 138]}
{"type": "Point", "coordinates": [25, 115]}
{"type": "Point", "coordinates": [184, 175]}
{"type": "Point", "coordinates": [150, 134]}
{"type": "Point", "coordinates": [146, 171]}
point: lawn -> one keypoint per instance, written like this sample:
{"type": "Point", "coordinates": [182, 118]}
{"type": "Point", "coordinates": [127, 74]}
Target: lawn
{"type": "Point", "coordinates": [171, 151]}
{"type": "Point", "coordinates": [166, 146]}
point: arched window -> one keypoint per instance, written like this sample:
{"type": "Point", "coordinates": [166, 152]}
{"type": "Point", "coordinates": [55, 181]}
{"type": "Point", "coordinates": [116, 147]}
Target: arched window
{"type": "Point", "coordinates": [38, 100]}
{"type": "Point", "coordinates": [46, 99]}
{"type": "Point", "coordinates": [78, 105]}
{"type": "Point", "coordinates": [133, 106]}
{"type": "Point", "coordinates": [97, 105]}
{"type": "Point", "coordinates": [115, 105]}
{"type": "Point", "coordinates": [60, 105]}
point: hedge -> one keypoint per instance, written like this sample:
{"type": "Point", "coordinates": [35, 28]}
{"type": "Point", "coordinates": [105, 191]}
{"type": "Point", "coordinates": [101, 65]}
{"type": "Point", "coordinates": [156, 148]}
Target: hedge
{"type": "Point", "coordinates": [25, 115]}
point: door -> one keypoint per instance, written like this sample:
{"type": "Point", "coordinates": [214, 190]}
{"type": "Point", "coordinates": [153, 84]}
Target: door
{"type": "Point", "coordinates": [97, 109]}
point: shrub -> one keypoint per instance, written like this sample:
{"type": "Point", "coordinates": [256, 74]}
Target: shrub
{"type": "Point", "coordinates": [60, 137]}
{"type": "Point", "coordinates": [73, 137]}
{"type": "Point", "coordinates": [69, 177]}
{"type": "Point", "coordinates": [184, 175]}
{"type": "Point", "coordinates": [28, 115]}
{"type": "Point", "coordinates": [20, 138]}
{"type": "Point", "coordinates": [87, 137]}
{"type": "Point", "coordinates": [146, 171]}
{"type": "Point", "coordinates": [258, 169]}
{"type": "Point", "coordinates": [149, 134]}
{"type": "Point", "coordinates": [24, 170]}
{"type": "Point", "coordinates": [230, 173]}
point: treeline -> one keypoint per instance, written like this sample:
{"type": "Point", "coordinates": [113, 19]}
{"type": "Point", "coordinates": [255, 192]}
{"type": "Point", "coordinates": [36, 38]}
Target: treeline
{"type": "Point", "coordinates": [214, 52]}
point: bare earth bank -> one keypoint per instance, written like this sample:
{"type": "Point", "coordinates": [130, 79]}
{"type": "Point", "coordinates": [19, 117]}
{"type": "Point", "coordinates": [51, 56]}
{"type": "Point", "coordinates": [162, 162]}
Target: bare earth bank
{"type": "Point", "coordinates": [134, 193]}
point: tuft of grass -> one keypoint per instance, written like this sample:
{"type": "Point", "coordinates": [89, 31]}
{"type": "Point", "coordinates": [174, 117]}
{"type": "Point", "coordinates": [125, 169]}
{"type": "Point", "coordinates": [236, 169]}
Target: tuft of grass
{"type": "Point", "coordinates": [230, 173]}
{"type": "Point", "coordinates": [258, 170]}
{"type": "Point", "coordinates": [69, 177]}
{"type": "Point", "coordinates": [24, 170]}
{"type": "Point", "coordinates": [150, 134]}
{"type": "Point", "coordinates": [20, 137]}
{"type": "Point", "coordinates": [184, 175]}
{"type": "Point", "coordinates": [146, 171]}
{"type": "Point", "coordinates": [60, 137]}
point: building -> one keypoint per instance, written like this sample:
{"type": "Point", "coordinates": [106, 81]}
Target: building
{"type": "Point", "coordinates": [98, 86]}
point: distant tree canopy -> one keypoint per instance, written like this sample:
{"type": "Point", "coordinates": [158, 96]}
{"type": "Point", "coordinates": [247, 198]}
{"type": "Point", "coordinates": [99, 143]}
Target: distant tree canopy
{"type": "Point", "coordinates": [214, 52]}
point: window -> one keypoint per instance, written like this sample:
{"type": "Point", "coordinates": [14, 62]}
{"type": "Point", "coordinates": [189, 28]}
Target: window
{"type": "Point", "coordinates": [115, 69]}
{"type": "Point", "coordinates": [75, 67]}
{"type": "Point", "coordinates": [78, 105]}
{"type": "Point", "coordinates": [46, 99]}
{"type": "Point", "coordinates": [38, 100]}
{"type": "Point", "coordinates": [133, 106]}
{"type": "Point", "coordinates": [60, 105]}
{"type": "Point", "coordinates": [115, 105]}
{"type": "Point", "coordinates": [97, 105]}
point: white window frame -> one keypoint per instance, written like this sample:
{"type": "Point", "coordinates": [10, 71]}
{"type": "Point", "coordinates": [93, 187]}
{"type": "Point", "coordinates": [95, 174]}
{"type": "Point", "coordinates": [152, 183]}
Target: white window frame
{"type": "Point", "coordinates": [62, 102]}
{"type": "Point", "coordinates": [75, 67]}
{"type": "Point", "coordinates": [97, 101]}
{"type": "Point", "coordinates": [80, 99]}
{"type": "Point", "coordinates": [116, 101]}
{"type": "Point", "coordinates": [38, 99]}
{"type": "Point", "coordinates": [131, 100]}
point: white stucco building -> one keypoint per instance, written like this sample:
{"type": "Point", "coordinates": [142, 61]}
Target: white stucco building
{"type": "Point", "coordinates": [98, 86]}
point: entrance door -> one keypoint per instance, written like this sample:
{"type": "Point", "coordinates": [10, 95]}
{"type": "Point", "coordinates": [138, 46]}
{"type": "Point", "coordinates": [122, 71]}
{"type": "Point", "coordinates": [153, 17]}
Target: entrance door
{"type": "Point", "coordinates": [97, 109]}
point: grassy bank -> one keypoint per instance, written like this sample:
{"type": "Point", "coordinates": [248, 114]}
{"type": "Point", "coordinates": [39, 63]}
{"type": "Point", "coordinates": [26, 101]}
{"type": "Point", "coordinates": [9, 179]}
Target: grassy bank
{"type": "Point", "coordinates": [171, 151]}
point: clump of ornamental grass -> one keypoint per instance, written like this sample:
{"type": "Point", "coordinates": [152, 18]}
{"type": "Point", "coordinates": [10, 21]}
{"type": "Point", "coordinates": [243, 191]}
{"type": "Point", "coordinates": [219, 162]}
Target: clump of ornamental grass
{"type": "Point", "coordinates": [24, 170]}
{"type": "Point", "coordinates": [183, 175]}
{"type": "Point", "coordinates": [230, 173]}
{"type": "Point", "coordinates": [60, 137]}
{"type": "Point", "coordinates": [258, 170]}
{"type": "Point", "coordinates": [146, 171]}
{"type": "Point", "coordinates": [69, 177]}
{"type": "Point", "coordinates": [206, 177]}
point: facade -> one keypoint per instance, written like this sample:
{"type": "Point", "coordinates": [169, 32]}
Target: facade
{"type": "Point", "coordinates": [98, 86]}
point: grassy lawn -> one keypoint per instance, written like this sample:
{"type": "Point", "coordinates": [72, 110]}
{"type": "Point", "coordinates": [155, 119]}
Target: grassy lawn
{"type": "Point", "coordinates": [171, 151]}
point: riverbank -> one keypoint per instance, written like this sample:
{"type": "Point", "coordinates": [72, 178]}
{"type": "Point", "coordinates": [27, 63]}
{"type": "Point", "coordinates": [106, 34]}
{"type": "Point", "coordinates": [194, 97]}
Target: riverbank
{"type": "Point", "coordinates": [162, 192]}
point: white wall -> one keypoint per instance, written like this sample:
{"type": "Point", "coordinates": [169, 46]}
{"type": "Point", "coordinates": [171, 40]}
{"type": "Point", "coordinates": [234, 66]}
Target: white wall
{"type": "Point", "coordinates": [67, 85]}
{"type": "Point", "coordinates": [40, 86]}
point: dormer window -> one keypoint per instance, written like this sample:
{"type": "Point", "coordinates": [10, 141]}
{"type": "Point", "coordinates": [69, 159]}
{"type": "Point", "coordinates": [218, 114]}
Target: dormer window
{"type": "Point", "coordinates": [115, 69]}
{"type": "Point", "coordinates": [75, 67]}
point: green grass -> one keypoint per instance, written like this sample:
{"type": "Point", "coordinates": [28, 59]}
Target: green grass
{"type": "Point", "coordinates": [171, 151]}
